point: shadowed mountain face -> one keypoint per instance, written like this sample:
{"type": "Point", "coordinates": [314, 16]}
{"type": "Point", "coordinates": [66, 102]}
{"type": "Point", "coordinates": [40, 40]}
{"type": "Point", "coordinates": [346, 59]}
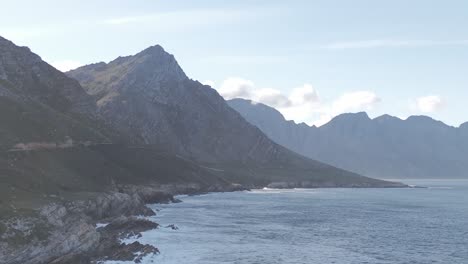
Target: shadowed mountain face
{"type": "Point", "coordinates": [384, 147]}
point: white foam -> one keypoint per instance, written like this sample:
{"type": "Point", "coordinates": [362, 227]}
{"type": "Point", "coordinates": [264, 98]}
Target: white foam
{"type": "Point", "coordinates": [99, 225]}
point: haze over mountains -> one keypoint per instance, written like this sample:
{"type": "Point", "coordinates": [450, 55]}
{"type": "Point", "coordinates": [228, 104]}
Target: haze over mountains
{"type": "Point", "coordinates": [384, 147]}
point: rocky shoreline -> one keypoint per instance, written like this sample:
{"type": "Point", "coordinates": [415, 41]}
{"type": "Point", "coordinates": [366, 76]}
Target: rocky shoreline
{"type": "Point", "coordinates": [67, 232]}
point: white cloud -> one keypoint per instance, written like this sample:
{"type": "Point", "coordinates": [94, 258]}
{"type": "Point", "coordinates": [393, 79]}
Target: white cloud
{"type": "Point", "coordinates": [272, 98]}
{"type": "Point", "coordinates": [388, 43]}
{"type": "Point", "coordinates": [347, 103]}
{"type": "Point", "coordinates": [429, 104]}
{"type": "Point", "coordinates": [303, 104]}
{"type": "Point", "coordinates": [237, 88]}
{"type": "Point", "coordinates": [355, 101]}
{"type": "Point", "coordinates": [66, 65]}
{"type": "Point", "coordinates": [304, 94]}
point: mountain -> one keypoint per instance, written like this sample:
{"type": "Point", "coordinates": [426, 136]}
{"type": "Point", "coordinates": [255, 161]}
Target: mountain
{"type": "Point", "coordinates": [384, 147]}
{"type": "Point", "coordinates": [40, 104]}
{"type": "Point", "coordinates": [53, 142]}
{"type": "Point", "coordinates": [149, 96]}
{"type": "Point", "coordinates": [138, 131]}
{"type": "Point", "coordinates": [143, 122]}
{"type": "Point", "coordinates": [24, 73]}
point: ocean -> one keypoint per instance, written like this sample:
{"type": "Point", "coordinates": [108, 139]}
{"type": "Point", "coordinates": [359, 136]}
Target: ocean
{"type": "Point", "coordinates": [343, 226]}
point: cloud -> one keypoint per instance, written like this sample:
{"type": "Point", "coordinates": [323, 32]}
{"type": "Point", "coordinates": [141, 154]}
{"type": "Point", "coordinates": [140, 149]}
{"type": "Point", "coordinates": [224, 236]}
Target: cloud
{"type": "Point", "coordinates": [304, 94]}
{"type": "Point", "coordinates": [272, 98]}
{"type": "Point", "coordinates": [237, 88]}
{"type": "Point", "coordinates": [302, 104]}
{"type": "Point", "coordinates": [429, 104]}
{"type": "Point", "coordinates": [382, 43]}
{"type": "Point", "coordinates": [355, 101]}
{"type": "Point", "coordinates": [241, 88]}
{"type": "Point", "coordinates": [66, 65]}
{"type": "Point", "coordinates": [347, 103]}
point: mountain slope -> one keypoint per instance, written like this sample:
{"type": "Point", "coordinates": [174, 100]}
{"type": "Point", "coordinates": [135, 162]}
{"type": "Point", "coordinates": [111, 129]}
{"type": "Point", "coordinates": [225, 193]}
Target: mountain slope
{"type": "Point", "coordinates": [149, 96]}
{"type": "Point", "coordinates": [40, 104]}
{"type": "Point", "coordinates": [146, 132]}
{"type": "Point", "coordinates": [384, 147]}
{"type": "Point", "coordinates": [23, 73]}
{"type": "Point", "coordinates": [53, 143]}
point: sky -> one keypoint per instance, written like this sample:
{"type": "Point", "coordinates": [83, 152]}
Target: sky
{"type": "Point", "coordinates": [312, 60]}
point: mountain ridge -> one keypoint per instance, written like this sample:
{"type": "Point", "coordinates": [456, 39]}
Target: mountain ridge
{"type": "Point", "coordinates": [373, 147]}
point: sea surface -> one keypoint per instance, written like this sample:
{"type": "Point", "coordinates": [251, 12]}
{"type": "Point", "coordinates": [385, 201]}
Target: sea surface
{"type": "Point", "coordinates": [344, 226]}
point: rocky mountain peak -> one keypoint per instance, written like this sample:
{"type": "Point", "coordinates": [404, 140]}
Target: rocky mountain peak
{"type": "Point", "coordinates": [349, 120]}
{"type": "Point", "coordinates": [159, 62]}
{"type": "Point", "coordinates": [147, 72]}
{"type": "Point", "coordinates": [387, 118]}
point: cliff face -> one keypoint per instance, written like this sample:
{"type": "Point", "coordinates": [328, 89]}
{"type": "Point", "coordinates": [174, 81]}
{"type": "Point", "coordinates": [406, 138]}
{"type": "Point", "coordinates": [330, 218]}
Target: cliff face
{"type": "Point", "coordinates": [384, 147]}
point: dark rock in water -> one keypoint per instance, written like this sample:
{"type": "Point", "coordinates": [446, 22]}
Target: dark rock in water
{"type": "Point", "coordinates": [126, 226]}
{"type": "Point", "coordinates": [172, 226]}
{"type": "Point", "coordinates": [131, 252]}
{"type": "Point", "coordinates": [110, 248]}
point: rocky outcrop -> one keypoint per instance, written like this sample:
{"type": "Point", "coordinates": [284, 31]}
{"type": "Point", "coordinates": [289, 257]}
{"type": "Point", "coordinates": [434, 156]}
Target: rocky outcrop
{"type": "Point", "coordinates": [110, 247]}
{"type": "Point", "coordinates": [67, 233]}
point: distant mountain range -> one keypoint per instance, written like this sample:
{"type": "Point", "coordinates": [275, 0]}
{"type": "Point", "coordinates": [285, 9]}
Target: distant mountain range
{"type": "Point", "coordinates": [384, 147]}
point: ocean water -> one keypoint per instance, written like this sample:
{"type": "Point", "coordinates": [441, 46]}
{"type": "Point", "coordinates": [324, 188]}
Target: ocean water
{"type": "Point", "coordinates": [320, 226]}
